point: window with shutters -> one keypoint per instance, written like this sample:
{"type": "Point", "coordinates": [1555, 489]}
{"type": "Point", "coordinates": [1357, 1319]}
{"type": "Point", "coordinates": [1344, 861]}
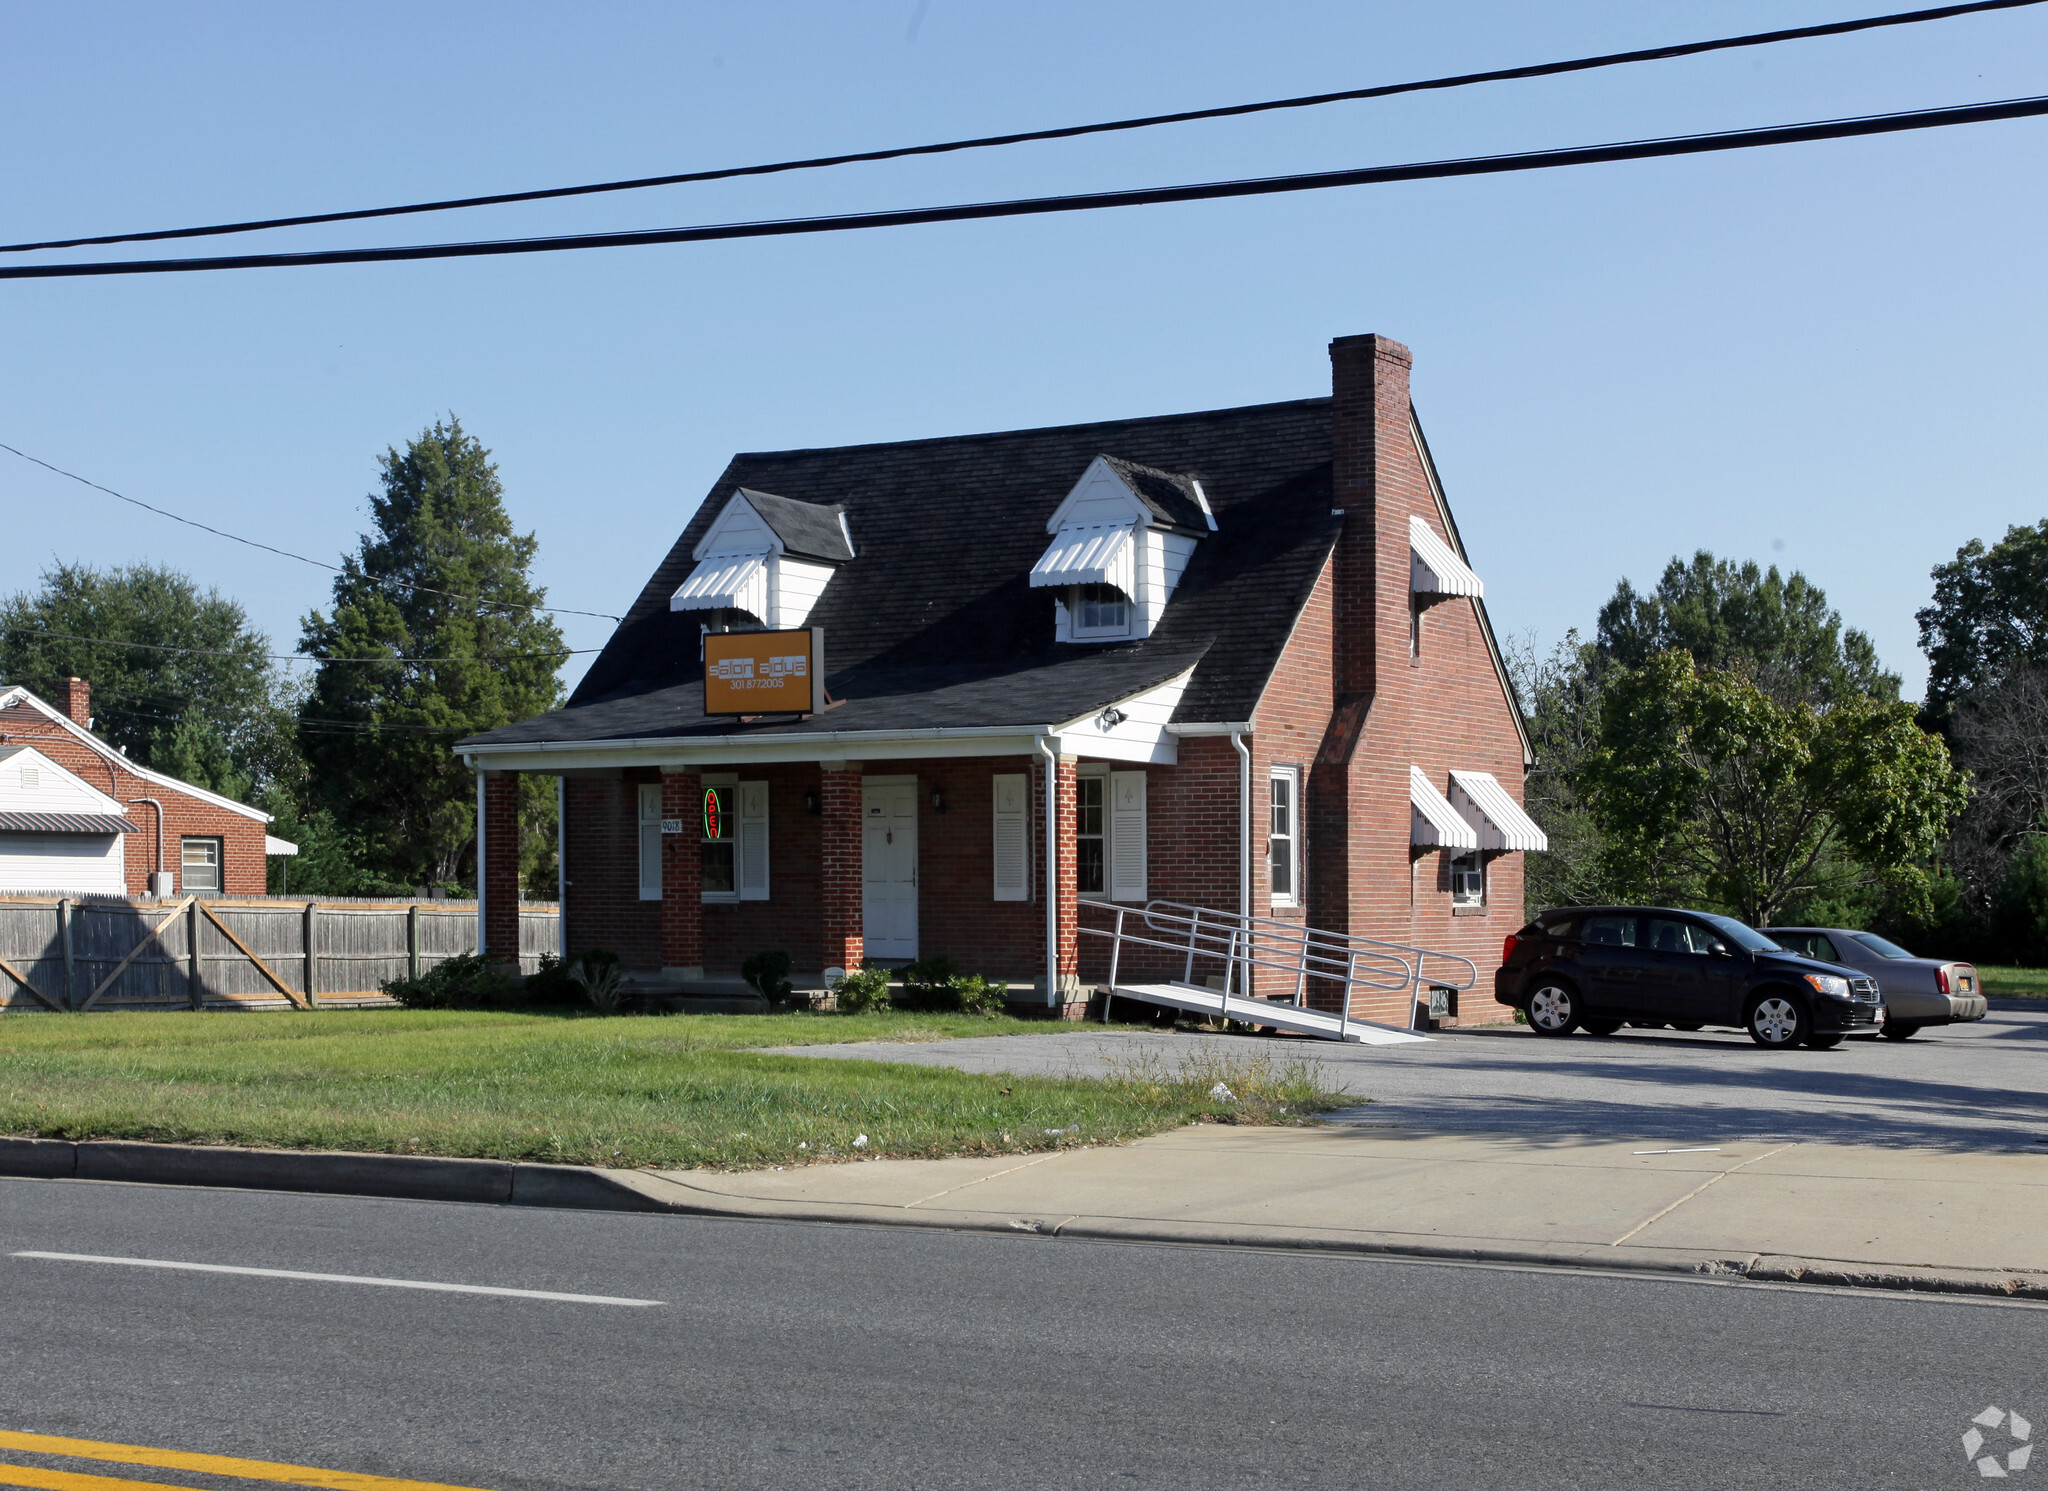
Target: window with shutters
{"type": "Point", "coordinates": [650, 841]}
{"type": "Point", "coordinates": [1109, 834]}
{"type": "Point", "coordinates": [716, 831]}
{"type": "Point", "coordinates": [1012, 837]}
{"type": "Point", "coordinates": [733, 840]}
{"type": "Point", "coordinates": [1283, 836]}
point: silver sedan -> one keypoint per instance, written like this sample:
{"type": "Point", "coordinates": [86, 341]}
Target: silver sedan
{"type": "Point", "coordinates": [1917, 991]}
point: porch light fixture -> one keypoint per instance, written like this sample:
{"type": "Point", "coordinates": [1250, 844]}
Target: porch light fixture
{"type": "Point", "coordinates": [811, 803]}
{"type": "Point", "coordinates": [1110, 718]}
{"type": "Point", "coordinates": [938, 800]}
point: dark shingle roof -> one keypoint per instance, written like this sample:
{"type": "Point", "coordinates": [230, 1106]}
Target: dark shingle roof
{"type": "Point", "coordinates": [935, 622]}
{"type": "Point", "coordinates": [808, 530]}
{"type": "Point", "coordinates": [1170, 498]}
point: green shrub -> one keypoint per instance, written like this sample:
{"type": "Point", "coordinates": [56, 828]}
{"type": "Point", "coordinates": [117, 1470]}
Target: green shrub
{"type": "Point", "coordinates": [460, 983]}
{"type": "Point", "coordinates": [928, 985]}
{"type": "Point", "coordinates": [975, 995]}
{"type": "Point", "coordinates": [860, 990]}
{"type": "Point", "coordinates": [768, 973]}
{"type": "Point", "coordinates": [554, 981]}
{"type": "Point", "coordinates": [599, 983]}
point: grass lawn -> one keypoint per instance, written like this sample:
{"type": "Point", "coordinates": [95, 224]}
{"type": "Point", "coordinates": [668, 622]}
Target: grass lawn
{"type": "Point", "coordinates": [2014, 983]}
{"type": "Point", "coordinates": [585, 1090]}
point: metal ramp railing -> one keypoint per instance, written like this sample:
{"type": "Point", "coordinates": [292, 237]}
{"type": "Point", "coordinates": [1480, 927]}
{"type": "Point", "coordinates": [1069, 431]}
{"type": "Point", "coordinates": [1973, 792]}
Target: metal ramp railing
{"type": "Point", "coordinates": [1307, 961]}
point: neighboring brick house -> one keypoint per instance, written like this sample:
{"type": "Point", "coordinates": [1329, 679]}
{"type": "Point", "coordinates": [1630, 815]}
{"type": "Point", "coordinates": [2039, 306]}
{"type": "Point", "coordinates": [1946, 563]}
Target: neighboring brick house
{"type": "Point", "coordinates": [1247, 638]}
{"type": "Point", "coordinates": [78, 817]}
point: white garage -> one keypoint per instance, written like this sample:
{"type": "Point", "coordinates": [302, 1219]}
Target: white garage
{"type": "Point", "coordinates": [58, 833]}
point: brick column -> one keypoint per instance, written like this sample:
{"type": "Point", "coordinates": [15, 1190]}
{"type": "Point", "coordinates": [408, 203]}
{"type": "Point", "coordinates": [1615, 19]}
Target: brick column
{"type": "Point", "coordinates": [682, 877]}
{"type": "Point", "coordinates": [839, 866]}
{"type": "Point", "coordinates": [498, 875]}
{"type": "Point", "coordinates": [1067, 895]}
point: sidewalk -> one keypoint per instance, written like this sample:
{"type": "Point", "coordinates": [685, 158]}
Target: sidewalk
{"type": "Point", "coordinates": [1822, 1213]}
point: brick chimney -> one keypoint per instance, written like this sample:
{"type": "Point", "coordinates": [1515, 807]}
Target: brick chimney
{"type": "Point", "coordinates": [1374, 474]}
{"type": "Point", "coordinates": [78, 702]}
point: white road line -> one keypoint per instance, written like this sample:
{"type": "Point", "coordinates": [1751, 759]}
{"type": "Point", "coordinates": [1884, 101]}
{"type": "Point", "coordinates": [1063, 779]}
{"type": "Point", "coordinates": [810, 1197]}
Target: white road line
{"type": "Point", "coordinates": [286, 1273]}
{"type": "Point", "coordinates": [1704, 1149]}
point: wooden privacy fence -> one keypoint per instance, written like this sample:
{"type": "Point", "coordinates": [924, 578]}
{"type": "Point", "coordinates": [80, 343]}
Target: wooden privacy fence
{"type": "Point", "coordinates": [104, 953]}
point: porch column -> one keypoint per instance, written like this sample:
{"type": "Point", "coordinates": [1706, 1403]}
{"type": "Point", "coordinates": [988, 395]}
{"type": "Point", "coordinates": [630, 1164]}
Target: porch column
{"type": "Point", "coordinates": [1067, 895]}
{"type": "Point", "coordinates": [839, 865]}
{"type": "Point", "coordinates": [682, 875]}
{"type": "Point", "coordinates": [498, 868]}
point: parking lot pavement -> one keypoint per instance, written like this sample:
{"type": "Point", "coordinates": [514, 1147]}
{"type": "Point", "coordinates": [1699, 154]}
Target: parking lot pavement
{"type": "Point", "coordinates": [1980, 1086]}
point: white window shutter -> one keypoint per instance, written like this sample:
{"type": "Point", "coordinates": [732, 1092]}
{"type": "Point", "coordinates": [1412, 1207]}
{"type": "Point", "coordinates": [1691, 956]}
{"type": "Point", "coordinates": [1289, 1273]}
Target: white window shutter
{"type": "Point", "coordinates": [1013, 858]}
{"type": "Point", "coordinates": [650, 841]}
{"type": "Point", "coordinates": [752, 849]}
{"type": "Point", "coordinates": [1127, 836]}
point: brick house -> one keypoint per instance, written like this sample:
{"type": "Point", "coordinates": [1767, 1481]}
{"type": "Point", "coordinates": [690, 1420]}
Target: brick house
{"type": "Point", "coordinates": [78, 817]}
{"type": "Point", "coordinates": [1235, 659]}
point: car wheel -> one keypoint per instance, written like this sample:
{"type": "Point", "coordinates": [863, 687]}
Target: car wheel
{"type": "Point", "coordinates": [1823, 1042]}
{"type": "Point", "coordinates": [1600, 1027]}
{"type": "Point", "coordinates": [1553, 1010]}
{"type": "Point", "coordinates": [1686, 1025]}
{"type": "Point", "coordinates": [1777, 1020]}
{"type": "Point", "coordinates": [1900, 1030]}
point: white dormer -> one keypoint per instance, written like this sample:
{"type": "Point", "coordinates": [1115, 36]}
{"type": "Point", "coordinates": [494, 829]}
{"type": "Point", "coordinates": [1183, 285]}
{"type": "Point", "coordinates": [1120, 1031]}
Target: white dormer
{"type": "Point", "coordinates": [1121, 539]}
{"type": "Point", "coordinates": [767, 557]}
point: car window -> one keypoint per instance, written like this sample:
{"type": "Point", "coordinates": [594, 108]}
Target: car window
{"type": "Point", "coordinates": [1561, 927]}
{"type": "Point", "coordinates": [1879, 946]}
{"type": "Point", "coordinates": [1807, 945]}
{"type": "Point", "coordinates": [1746, 937]}
{"type": "Point", "coordinates": [1610, 931]}
{"type": "Point", "coordinates": [1665, 935]}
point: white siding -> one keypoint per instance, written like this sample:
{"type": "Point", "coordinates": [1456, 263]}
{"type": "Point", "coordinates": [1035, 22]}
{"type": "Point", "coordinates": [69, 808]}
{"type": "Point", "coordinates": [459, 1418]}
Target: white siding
{"type": "Point", "coordinates": [1013, 837]}
{"type": "Point", "coordinates": [797, 586]}
{"type": "Point", "coordinates": [79, 864]}
{"type": "Point", "coordinates": [737, 530]}
{"type": "Point", "coordinates": [1140, 735]}
{"type": "Point", "coordinates": [53, 790]}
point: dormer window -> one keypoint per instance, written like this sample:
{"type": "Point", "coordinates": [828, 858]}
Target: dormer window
{"type": "Point", "coordinates": [766, 559]}
{"type": "Point", "coordinates": [1120, 541]}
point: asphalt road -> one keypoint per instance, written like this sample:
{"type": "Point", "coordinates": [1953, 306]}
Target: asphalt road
{"type": "Point", "coordinates": [793, 1355]}
{"type": "Point", "coordinates": [1977, 1086]}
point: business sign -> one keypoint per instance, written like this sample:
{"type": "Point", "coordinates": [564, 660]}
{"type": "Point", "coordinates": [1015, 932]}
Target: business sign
{"type": "Point", "coordinates": [764, 672]}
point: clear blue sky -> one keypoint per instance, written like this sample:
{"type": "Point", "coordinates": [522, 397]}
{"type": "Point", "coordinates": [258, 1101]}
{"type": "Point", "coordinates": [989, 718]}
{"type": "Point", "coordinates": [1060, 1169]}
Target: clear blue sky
{"type": "Point", "coordinates": [1824, 356]}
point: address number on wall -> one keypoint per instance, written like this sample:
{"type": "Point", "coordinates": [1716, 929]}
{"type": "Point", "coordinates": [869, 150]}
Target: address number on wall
{"type": "Point", "coordinates": [671, 825]}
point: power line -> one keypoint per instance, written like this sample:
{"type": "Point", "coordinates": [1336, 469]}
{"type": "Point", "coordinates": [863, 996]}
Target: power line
{"type": "Point", "coordinates": [287, 553]}
{"type": "Point", "coordinates": [293, 657]}
{"type": "Point", "coordinates": [1387, 90]}
{"type": "Point", "coordinates": [1484, 165]}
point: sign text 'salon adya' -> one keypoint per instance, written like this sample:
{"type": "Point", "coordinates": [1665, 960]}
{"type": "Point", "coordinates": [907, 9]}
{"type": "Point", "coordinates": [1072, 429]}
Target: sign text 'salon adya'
{"type": "Point", "coordinates": [764, 672]}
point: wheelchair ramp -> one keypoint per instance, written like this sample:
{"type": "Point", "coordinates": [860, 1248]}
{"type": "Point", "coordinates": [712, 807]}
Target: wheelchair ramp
{"type": "Point", "coordinates": [1290, 1017]}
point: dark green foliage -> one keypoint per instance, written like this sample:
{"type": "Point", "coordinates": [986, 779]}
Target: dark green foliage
{"type": "Point", "coordinates": [1990, 609]}
{"type": "Point", "coordinates": [442, 577]}
{"type": "Point", "coordinates": [206, 716]}
{"type": "Point", "coordinates": [466, 982]}
{"type": "Point", "coordinates": [1560, 699]}
{"type": "Point", "coordinates": [927, 985]}
{"type": "Point", "coordinates": [1737, 617]}
{"type": "Point", "coordinates": [553, 983]}
{"type": "Point", "coordinates": [861, 990]}
{"type": "Point", "coordinates": [767, 972]}
{"type": "Point", "coordinates": [975, 995]}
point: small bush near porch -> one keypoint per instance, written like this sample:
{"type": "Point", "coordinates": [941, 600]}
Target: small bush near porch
{"type": "Point", "coordinates": [589, 1091]}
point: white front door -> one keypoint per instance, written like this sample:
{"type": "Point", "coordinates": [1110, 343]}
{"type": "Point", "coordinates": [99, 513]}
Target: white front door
{"type": "Point", "coordinates": [888, 867]}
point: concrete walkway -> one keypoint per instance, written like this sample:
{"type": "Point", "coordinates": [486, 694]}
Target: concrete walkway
{"type": "Point", "coordinates": [1807, 1211]}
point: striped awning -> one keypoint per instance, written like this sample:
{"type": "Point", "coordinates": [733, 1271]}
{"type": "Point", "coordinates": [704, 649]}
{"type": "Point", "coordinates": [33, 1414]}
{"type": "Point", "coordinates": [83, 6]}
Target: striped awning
{"type": "Point", "coordinates": [1496, 817]}
{"type": "Point", "coordinates": [725, 582]}
{"type": "Point", "coordinates": [66, 823]}
{"type": "Point", "coordinates": [1434, 567]}
{"type": "Point", "coordinates": [1104, 555]}
{"type": "Point", "coordinates": [1432, 820]}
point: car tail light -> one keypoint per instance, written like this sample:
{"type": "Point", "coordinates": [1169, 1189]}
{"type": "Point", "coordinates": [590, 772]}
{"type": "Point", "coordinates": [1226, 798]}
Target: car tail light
{"type": "Point", "coordinates": [1507, 948]}
{"type": "Point", "coordinates": [1941, 980]}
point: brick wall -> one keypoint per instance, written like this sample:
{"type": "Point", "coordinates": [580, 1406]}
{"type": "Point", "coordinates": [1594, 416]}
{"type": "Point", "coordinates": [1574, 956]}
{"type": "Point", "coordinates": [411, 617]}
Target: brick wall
{"type": "Point", "coordinates": [499, 878]}
{"type": "Point", "coordinates": [242, 860]}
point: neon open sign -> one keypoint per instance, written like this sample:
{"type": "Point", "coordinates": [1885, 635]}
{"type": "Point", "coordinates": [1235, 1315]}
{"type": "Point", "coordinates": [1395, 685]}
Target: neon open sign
{"type": "Point", "coordinates": [711, 813]}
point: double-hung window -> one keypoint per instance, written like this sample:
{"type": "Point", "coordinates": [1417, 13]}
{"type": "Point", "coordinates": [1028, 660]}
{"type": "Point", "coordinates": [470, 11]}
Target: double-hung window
{"type": "Point", "coordinates": [1091, 839]}
{"type": "Point", "coordinates": [1101, 611]}
{"type": "Point", "coordinates": [733, 841]}
{"type": "Point", "coordinates": [1109, 834]}
{"type": "Point", "coordinates": [1468, 880]}
{"type": "Point", "coordinates": [199, 861]}
{"type": "Point", "coordinates": [1283, 835]}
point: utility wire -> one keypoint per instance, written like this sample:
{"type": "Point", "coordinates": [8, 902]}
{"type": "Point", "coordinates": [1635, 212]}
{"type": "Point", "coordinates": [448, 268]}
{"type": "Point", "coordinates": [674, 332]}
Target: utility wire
{"type": "Point", "coordinates": [1387, 90]}
{"type": "Point", "coordinates": [293, 657]}
{"type": "Point", "coordinates": [1484, 165]}
{"type": "Point", "coordinates": [287, 553]}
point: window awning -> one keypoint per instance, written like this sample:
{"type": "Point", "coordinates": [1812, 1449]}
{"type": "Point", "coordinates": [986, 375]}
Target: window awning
{"type": "Point", "coordinates": [1104, 555]}
{"type": "Point", "coordinates": [1496, 817]}
{"type": "Point", "coordinates": [66, 823]}
{"type": "Point", "coordinates": [725, 582]}
{"type": "Point", "coordinates": [1434, 567]}
{"type": "Point", "coordinates": [282, 847]}
{"type": "Point", "coordinates": [1432, 820]}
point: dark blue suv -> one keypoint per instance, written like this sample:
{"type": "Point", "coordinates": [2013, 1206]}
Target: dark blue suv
{"type": "Point", "coordinates": [1598, 968]}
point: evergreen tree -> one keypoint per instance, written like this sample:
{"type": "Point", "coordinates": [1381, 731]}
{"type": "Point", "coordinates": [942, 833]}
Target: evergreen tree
{"type": "Point", "coordinates": [440, 597]}
{"type": "Point", "coordinates": [206, 714]}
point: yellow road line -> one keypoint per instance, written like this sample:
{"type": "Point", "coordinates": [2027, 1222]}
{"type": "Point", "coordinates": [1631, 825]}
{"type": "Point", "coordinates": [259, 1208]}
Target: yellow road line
{"type": "Point", "coordinates": [136, 1454]}
{"type": "Point", "coordinates": [65, 1480]}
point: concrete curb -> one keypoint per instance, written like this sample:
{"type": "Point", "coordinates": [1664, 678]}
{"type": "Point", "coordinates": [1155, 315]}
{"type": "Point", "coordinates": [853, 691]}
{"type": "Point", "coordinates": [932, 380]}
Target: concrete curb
{"type": "Point", "coordinates": [512, 1183]}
